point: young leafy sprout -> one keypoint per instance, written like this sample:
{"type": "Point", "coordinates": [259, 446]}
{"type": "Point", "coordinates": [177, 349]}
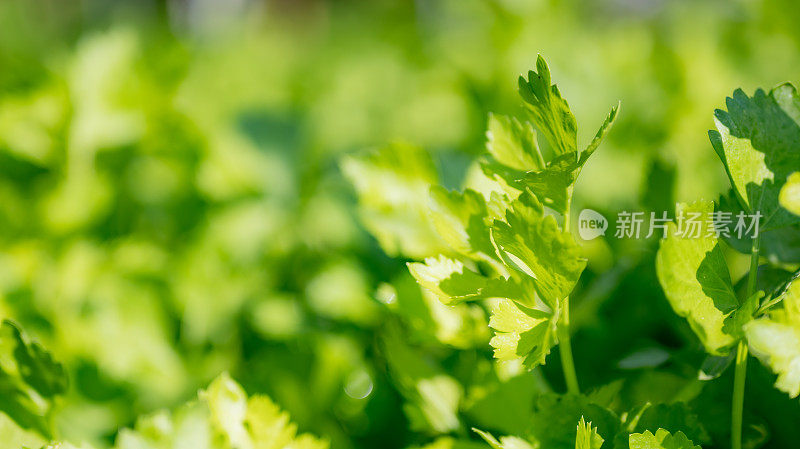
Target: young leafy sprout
{"type": "Point", "coordinates": [758, 141]}
{"type": "Point", "coordinates": [508, 239]}
{"type": "Point", "coordinates": [505, 238]}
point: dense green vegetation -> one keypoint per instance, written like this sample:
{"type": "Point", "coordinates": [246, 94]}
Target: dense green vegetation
{"type": "Point", "coordinates": [330, 224]}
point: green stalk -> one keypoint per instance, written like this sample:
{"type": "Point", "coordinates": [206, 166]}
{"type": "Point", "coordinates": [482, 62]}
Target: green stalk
{"type": "Point", "coordinates": [564, 338]}
{"type": "Point", "coordinates": [567, 364]}
{"type": "Point", "coordinates": [737, 408]}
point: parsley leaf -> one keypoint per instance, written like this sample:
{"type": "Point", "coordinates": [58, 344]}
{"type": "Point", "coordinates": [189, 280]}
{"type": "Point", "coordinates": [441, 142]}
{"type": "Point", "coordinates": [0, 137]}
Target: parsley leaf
{"type": "Point", "coordinates": [756, 139]}
{"type": "Point", "coordinates": [548, 110]}
{"type": "Point", "coordinates": [692, 271]}
{"type": "Point", "coordinates": [661, 440]}
{"type": "Point", "coordinates": [775, 340]}
{"type": "Point", "coordinates": [553, 182]}
{"type": "Point", "coordinates": [461, 221]}
{"type": "Point", "coordinates": [522, 332]}
{"type": "Point", "coordinates": [674, 417]}
{"type": "Point", "coordinates": [789, 197]}
{"type": "Point", "coordinates": [513, 144]}
{"type": "Point", "coordinates": [448, 278]}
{"type": "Point", "coordinates": [587, 437]}
{"type": "Point", "coordinates": [532, 243]}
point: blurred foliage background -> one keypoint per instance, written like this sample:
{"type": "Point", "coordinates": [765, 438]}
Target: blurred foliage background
{"type": "Point", "coordinates": [172, 204]}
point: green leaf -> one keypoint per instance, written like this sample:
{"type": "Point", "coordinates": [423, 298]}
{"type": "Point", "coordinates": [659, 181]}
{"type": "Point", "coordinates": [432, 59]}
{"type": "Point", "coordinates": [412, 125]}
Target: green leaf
{"type": "Point", "coordinates": [675, 418]}
{"type": "Point", "coordinates": [756, 139]}
{"type": "Point", "coordinates": [461, 221]}
{"type": "Point", "coordinates": [222, 417]}
{"type": "Point", "coordinates": [775, 340]}
{"type": "Point", "coordinates": [392, 186]}
{"type": "Point", "coordinates": [587, 437]}
{"type": "Point", "coordinates": [734, 323]}
{"type": "Point", "coordinates": [522, 332]}
{"type": "Point", "coordinates": [549, 112]}
{"type": "Point", "coordinates": [448, 278]}
{"type": "Point", "coordinates": [516, 159]}
{"type": "Point", "coordinates": [489, 438]}
{"type": "Point", "coordinates": [789, 197]}
{"type": "Point", "coordinates": [29, 380]}
{"type": "Point", "coordinates": [777, 282]}
{"type": "Point", "coordinates": [532, 244]}
{"type": "Point", "coordinates": [454, 282]}
{"type": "Point", "coordinates": [600, 135]}
{"type": "Point", "coordinates": [521, 291]}
{"type": "Point", "coordinates": [661, 440]}
{"type": "Point", "coordinates": [694, 275]}
{"type": "Point", "coordinates": [504, 442]}
{"type": "Point", "coordinates": [781, 244]}
{"type": "Point", "coordinates": [513, 144]}
{"type": "Point", "coordinates": [552, 184]}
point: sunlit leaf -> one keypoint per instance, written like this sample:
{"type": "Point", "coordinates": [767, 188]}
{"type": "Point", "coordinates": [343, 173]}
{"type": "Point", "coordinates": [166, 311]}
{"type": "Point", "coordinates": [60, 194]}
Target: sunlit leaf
{"type": "Point", "coordinates": [461, 221]}
{"type": "Point", "coordinates": [756, 139]}
{"type": "Point", "coordinates": [775, 340]}
{"type": "Point", "coordinates": [661, 440]}
{"type": "Point", "coordinates": [587, 437]}
{"type": "Point", "coordinates": [789, 196]}
{"type": "Point", "coordinates": [549, 112]}
{"type": "Point", "coordinates": [513, 144]}
{"type": "Point", "coordinates": [448, 278]}
{"type": "Point", "coordinates": [532, 243]}
{"type": "Point", "coordinates": [694, 275]}
{"type": "Point", "coordinates": [522, 333]}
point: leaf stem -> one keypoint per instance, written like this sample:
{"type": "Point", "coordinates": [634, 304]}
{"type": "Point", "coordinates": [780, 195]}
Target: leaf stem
{"type": "Point", "coordinates": [564, 337]}
{"type": "Point", "coordinates": [752, 275]}
{"type": "Point", "coordinates": [740, 375]}
{"type": "Point", "coordinates": [565, 349]}
{"type": "Point", "coordinates": [737, 407]}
